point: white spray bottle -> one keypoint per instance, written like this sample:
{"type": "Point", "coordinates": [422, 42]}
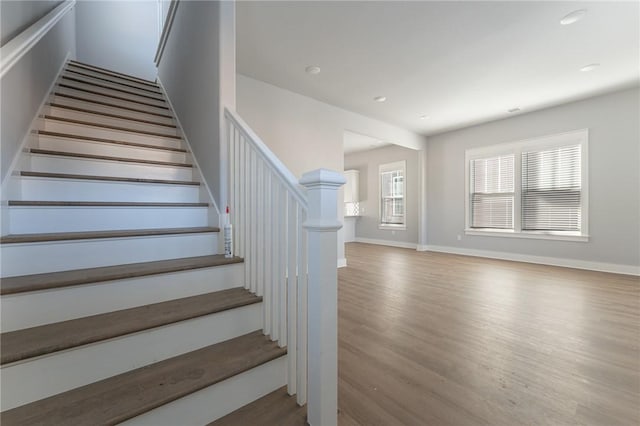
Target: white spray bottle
{"type": "Point", "coordinates": [228, 236]}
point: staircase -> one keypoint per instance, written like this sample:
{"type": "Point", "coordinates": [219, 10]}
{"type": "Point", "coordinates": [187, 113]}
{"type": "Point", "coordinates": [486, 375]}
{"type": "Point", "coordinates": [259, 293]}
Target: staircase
{"type": "Point", "coordinates": [116, 306]}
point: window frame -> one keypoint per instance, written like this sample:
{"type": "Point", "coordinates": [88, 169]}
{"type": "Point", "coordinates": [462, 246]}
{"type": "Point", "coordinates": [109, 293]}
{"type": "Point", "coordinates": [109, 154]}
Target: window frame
{"type": "Point", "coordinates": [576, 137]}
{"type": "Point", "coordinates": [390, 167]}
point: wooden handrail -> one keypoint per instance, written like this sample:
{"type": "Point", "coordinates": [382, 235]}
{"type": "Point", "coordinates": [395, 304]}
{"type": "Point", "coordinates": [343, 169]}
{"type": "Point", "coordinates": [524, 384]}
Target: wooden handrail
{"type": "Point", "coordinates": [18, 46]}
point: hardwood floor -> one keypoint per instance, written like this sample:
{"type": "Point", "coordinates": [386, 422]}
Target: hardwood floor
{"type": "Point", "coordinates": [439, 339]}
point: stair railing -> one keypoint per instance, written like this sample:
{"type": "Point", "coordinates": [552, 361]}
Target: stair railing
{"type": "Point", "coordinates": [286, 231]}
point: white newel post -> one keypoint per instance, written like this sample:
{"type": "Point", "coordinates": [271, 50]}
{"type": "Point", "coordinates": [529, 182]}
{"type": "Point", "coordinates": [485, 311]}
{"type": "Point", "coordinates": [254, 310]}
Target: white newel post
{"type": "Point", "coordinates": [322, 225]}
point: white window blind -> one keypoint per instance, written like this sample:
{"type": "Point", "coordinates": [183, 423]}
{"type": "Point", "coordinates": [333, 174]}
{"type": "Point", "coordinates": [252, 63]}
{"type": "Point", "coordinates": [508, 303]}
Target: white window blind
{"type": "Point", "coordinates": [492, 192]}
{"type": "Point", "coordinates": [551, 189]}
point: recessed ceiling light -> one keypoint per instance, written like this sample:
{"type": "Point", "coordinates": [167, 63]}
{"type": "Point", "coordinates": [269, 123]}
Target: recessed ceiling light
{"type": "Point", "coordinates": [589, 67]}
{"type": "Point", "coordinates": [312, 69]}
{"type": "Point", "coordinates": [516, 109]}
{"type": "Point", "coordinates": [380, 98]}
{"type": "Point", "coordinates": [573, 17]}
{"type": "Point", "coordinates": [424, 117]}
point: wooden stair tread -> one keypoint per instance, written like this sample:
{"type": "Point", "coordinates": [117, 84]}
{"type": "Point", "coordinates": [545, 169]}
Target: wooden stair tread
{"type": "Point", "coordinates": [88, 235]}
{"type": "Point", "coordinates": [50, 280]}
{"type": "Point", "coordinates": [106, 114]}
{"type": "Point", "coordinates": [95, 77]}
{"type": "Point", "coordinates": [94, 101]}
{"type": "Point", "coordinates": [28, 203]}
{"type": "Point", "coordinates": [109, 95]}
{"type": "Point", "coordinates": [45, 339]}
{"type": "Point", "coordinates": [274, 409]}
{"type": "Point", "coordinates": [106, 157]}
{"type": "Point", "coordinates": [127, 395]}
{"type": "Point", "coordinates": [110, 127]}
{"type": "Point", "coordinates": [106, 178]}
{"type": "Point", "coordinates": [99, 69]}
{"type": "Point", "coordinates": [117, 89]}
{"type": "Point", "coordinates": [104, 140]}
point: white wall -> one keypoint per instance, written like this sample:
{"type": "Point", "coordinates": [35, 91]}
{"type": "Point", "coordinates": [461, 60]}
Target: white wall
{"type": "Point", "coordinates": [119, 35]}
{"type": "Point", "coordinates": [368, 162]}
{"type": "Point", "coordinates": [613, 121]}
{"type": "Point", "coordinates": [199, 80]}
{"type": "Point", "coordinates": [16, 16]}
{"type": "Point", "coordinates": [307, 134]}
{"type": "Point", "coordinates": [26, 85]}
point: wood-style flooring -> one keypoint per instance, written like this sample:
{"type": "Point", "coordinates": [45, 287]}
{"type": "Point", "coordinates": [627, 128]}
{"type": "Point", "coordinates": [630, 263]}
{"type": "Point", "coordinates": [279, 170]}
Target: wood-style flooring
{"type": "Point", "coordinates": [438, 339]}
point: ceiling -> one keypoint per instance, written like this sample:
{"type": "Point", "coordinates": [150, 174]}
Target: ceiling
{"type": "Point", "coordinates": [355, 142]}
{"type": "Point", "coordinates": [459, 63]}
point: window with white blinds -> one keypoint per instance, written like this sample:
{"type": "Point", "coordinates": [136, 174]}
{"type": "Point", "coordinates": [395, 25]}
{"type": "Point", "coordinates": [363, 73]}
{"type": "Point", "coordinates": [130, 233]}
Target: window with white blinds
{"type": "Point", "coordinates": [492, 192]}
{"type": "Point", "coordinates": [530, 189]}
{"type": "Point", "coordinates": [551, 189]}
{"type": "Point", "coordinates": [392, 195]}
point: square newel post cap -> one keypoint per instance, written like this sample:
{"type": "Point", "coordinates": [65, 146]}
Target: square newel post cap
{"type": "Point", "coordinates": [322, 178]}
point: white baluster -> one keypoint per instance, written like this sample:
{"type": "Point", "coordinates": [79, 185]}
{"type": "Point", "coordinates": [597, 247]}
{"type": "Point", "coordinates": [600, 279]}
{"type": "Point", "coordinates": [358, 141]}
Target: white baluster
{"type": "Point", "coordinates": [322, 224]}
{"type": "Point", "coordinates": [246, 215]}
{"type": "Point", "coordinates": [282, 267]}
{"type": "Point", "coordinates": [292, 292]}
{"type": "Point", "coordinates": [302, 309]}
{"type": "Point", "coordinates": [260, 230]}
{"type": "Point", "coordinates": [242, 177]}
{"type": "Point", "coordinates": [268, 258]}
{"type": "Point", "coordinates": [275, 270]}
{"type": "Point", "coordinates": [236, 202]}
{"type": "Point", "coordinates": [253, 225]}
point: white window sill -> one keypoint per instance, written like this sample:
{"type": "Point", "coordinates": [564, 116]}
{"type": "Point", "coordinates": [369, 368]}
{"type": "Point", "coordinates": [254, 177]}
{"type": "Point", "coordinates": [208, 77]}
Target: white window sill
{"type": "Point", "coordinates": [393, 227]}
{"type": "Point", "coordinates": [530, 235]}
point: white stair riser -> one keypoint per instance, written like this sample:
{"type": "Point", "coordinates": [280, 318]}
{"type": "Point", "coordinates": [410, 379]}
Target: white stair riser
{"type": "Point", "coordinates": [83, 166]}
{"type": "Point", "coordinates": [218, 400]}
{"type": "Point", "coordinates": [113, 84]}
{"type": "Point", "coordinates": [36, 258]}
{"type": "Point", "coordinates": [109, 109]}
{"type": "Point", "coordinates": [111, 121]}
{"type": "Point", "coordinates": [112, 92]}
{"type": "Point", "coordinates": [24, 310]}
{"type": "Point", "coordinates": [111, 100]}
{"type": "Point", "coordinates": [109, 149]}
{"type": "Point", "coordinates": [47, 189]}
{"type": "Point", "coordinates": [113, 77]}
{"type": "Point", "coordinates": [48, 375]}
{"type": "Point", "coordinates": [105, 133]}
{"type": "Point", "coordinates": [40, 219]}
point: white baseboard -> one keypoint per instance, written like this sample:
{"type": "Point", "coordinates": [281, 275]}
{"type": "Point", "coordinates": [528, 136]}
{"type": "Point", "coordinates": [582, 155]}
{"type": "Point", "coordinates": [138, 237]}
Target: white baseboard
{"type": "Point", "coordinates": [342, 263]}
{"type": "Point", "coordinates": [401, 244]}
{"type": "Point", "coordinates": [544, 260]}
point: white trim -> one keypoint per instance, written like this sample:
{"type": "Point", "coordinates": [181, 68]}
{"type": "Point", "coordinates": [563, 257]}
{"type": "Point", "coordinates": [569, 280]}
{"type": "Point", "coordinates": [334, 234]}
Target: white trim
{"type": "Point", "coordinates": [342, 263]}
{"type": "Point", "coordinates": [527, 235]}
{"type": "Point", "coordinates": [543, 260]}
{"type": "Point", "coordinates": [400, 244]}
{"type": "Point", "coordinates": [166, 29]}
{"type": "Point", "coordinates": [193, 157]}
{"type": "Point", "coordinates": [18, 46]}
{"type": "Point", "coordinates": [391, 167]}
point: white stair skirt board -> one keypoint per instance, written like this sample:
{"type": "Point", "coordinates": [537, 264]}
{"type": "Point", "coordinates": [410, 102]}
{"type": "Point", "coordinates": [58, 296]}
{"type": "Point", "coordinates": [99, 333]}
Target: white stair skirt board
{"type": "Point", "coordinates": [31, 309]}
{"type": "Point", "coordinates": [54, 143]}
{"type": "Point", "coordinates": [108, 82]}
{"type": "Point", "coordinates": [37, 258]}
{"type": "Point", "coordinates": [100, 118]}
{"type": "Point", "coordinates": [47, 375]}
{"type": "Point", "coordinates": [112, 92]}
{"type": "Point", "coordinates": [218, 400]}
{"type": "Point", "coordinates": [111, 100]}
{"type": "Point", "coordinates": [98, 108]}
{"type": "Point", "coordinates": [54, 189]}
{"type": "Point", "coordinates": [105, 133]}
{"type": "Point", "coordinates": [113, 77]}
{"type": "Point", "coordinates": [83, 166]}
{"type": "Point", "coordinates": [49, 219]}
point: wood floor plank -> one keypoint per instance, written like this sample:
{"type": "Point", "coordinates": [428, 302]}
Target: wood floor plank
{"type": "Point", "coordinates": [88, 235]}
{"type": "Point", "coordinates": [274, 409]}
{"type": "Point", "coordinates": [439, 339]}
{"type": "Point", "coordinates": [35, 341]}
{"type": "Point", "coordinates": [50, 280]}
{"type": "Point", "coordinates": [122, 397]}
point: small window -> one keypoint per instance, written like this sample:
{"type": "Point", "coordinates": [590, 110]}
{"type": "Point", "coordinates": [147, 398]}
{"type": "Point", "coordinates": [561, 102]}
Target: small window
{"type": "Point", "coordinates": [530, 189]}
{"type": "Point", "coordinates": [392, 195]}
